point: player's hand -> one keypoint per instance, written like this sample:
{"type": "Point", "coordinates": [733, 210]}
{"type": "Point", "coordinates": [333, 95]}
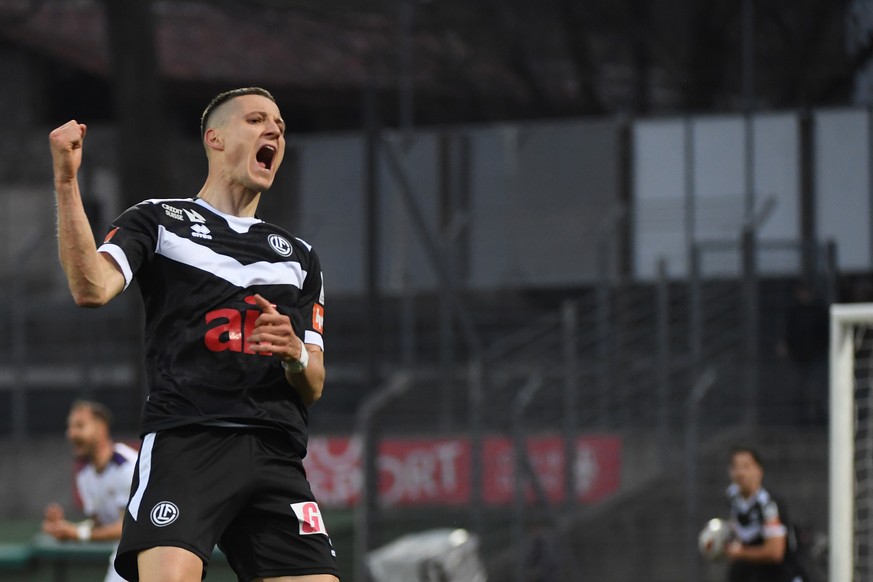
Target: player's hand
{"type": "Point", "coordinates": [66, 146]}
{"type": "Point", "coordinates": [734, 550]}
{"type": "Point", "coordinates": [273, 333]}
{"type": "Point", "coordinates": [60, 530]}
{"type": "Point", "coordinates": [53, 512]}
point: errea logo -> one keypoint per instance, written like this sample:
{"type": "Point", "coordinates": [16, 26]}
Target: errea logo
{"type": "Point", "coordinates": [200, 231]}
{"type": "Point", "coordinates": [280, 244]}
{"type": "Point", "coordinates": [164, 513]}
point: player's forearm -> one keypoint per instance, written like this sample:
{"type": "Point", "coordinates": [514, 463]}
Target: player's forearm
{"type": "Point", "coordinates": [309, 383]}
{"type": "Point", "coordinates": [84, 268]}
{"type": "Point", "coordinates": [84, 531]}
{"type": "Point", "coordinates": [772, 551]}
{"type": "Point", "coordinates": [108, 532]}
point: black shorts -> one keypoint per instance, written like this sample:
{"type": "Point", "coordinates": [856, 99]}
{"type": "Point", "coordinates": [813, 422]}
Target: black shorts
{"type": "Point", "coordinates": [245, 490]}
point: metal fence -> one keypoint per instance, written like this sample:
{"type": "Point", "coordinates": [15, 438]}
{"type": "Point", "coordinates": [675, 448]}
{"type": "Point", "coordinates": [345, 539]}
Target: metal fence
{"type": "Point", "coordinates": [678, 361]}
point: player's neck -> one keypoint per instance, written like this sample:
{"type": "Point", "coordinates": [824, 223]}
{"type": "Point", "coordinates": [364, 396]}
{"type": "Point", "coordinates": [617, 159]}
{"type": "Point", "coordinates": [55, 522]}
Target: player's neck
{"type": "Point", "coordinates": [103, 455]}
{"type": "Point", "coordinates": [235, 201]}
{"type": "Point", "coordinates": [751, 494]}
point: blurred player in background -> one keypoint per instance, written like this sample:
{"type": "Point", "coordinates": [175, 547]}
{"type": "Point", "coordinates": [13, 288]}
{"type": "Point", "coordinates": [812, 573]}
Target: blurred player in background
{"type": "Point", "coordinates": [102, 483]}
{"type": "Point", "coordinates": [763, 549]}
{"type": "Point", "coordinates": [233, 337]}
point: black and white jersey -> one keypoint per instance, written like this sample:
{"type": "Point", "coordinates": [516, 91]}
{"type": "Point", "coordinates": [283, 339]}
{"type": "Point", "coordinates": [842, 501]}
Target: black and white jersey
{"type": "Point", "coordinates": [198, 270]}
{"type": "Point", "coordinates": [753, 520]}
{"type": "Point", "coordinates": [104, 493]}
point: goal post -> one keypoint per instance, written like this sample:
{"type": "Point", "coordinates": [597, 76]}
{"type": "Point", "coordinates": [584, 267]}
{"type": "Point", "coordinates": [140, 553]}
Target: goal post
{"type": "Point", "coordinates": [851, 443]}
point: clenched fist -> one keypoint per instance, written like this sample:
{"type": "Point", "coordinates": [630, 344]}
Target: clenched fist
{"type": "Point", "coordinates": [66, 145]}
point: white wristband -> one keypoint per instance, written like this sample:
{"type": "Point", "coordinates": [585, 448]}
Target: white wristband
{"type": "Point", "coordinates": [295, 367]}
{"type": "Point", "coordinates": [83, 532]}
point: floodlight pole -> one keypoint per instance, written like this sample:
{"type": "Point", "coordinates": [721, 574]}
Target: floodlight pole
{"type": "Point", "coordinates": [692, 494]}
{"type": "Point", "coordinates": [749, 233]}
{"type": "Point", "coordinates": [405, 80]}
{"type": "Point", "coordinates": [367, 429]}
{"type": "Point", "coordinates": [372, 233]}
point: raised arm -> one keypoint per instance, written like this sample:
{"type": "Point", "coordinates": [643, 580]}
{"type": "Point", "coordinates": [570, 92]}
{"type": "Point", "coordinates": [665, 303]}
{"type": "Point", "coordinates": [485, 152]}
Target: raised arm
{"type": "Point", "coordinates": [93, 277]}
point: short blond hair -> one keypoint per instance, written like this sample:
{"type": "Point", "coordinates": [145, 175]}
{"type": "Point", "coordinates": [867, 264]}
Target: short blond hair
{"type": "Point", "coordinates": [226, 96]}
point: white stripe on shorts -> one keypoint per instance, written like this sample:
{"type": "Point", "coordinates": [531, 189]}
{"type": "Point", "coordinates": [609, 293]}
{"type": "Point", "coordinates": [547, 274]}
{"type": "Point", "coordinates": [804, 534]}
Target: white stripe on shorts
{"type": "Point", "coordinates": [145, 469]}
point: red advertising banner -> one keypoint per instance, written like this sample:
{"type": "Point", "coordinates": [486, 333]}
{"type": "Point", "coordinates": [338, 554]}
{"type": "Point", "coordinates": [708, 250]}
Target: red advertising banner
{"type": "Point", "coordinates": [436, 471]}
{"type": "Point", "coordinates": [597, 467]}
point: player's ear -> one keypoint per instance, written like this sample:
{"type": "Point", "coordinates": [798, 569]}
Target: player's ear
{"type": "Point", "coordinates": [213, 139]}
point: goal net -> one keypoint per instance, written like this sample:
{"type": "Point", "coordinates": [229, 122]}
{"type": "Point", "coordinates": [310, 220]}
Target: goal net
{"type": "Point", "coordinates": [851, 443]}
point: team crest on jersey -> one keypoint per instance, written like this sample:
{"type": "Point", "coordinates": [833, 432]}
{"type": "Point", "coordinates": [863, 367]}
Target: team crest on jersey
{"type": "Point", "coordinates": [164, 513]}
{"type": "Point", "coordinates": [309, 518]}
{"type": "Point", "coordinates": [200, 231]}
{"type": "Point", "coordinates": [280, 244]}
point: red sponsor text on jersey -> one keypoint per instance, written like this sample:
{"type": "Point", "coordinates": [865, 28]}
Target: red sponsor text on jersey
{"type": "Point", "coordinates": [231, 331]}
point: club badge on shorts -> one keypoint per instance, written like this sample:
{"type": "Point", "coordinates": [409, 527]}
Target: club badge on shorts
{"type": "Point", "coordinates": [164, 513]}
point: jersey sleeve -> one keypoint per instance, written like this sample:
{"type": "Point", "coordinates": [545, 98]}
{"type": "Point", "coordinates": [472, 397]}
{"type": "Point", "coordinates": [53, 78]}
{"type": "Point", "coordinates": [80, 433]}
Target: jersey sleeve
{"type": "Point", "coordinates": [132, 240]}
{"type": "Point", "coordinates": [311, 303]}
{"type": "Point", "coordinates": [773, 526]}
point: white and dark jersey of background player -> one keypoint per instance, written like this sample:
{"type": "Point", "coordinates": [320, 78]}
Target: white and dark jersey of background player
{"type": "Point", "coordinates": [104, 494]}
{"type": "Point", "coordinates": [198, 270]}
{"type": "Point", "coordinates": [752, 521]}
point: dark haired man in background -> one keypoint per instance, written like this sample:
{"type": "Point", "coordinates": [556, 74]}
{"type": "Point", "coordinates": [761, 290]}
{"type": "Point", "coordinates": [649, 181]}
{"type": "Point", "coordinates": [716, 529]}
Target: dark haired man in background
{"type": "Point", "coordinates": [763, 549]}
{"type": "Point", "coordinates": [102, 481]}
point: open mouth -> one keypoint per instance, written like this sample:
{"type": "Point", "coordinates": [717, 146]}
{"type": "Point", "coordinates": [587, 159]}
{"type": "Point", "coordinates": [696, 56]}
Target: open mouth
{"type": "Point", "coordinates": [265, 156]}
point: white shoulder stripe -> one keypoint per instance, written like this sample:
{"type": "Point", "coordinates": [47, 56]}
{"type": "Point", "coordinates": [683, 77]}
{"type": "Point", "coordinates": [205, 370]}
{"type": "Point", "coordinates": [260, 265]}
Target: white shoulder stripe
{"type": "Point", "coordinates": [159, 200]}
{"type": "Point", "coordinates": [188, 252]}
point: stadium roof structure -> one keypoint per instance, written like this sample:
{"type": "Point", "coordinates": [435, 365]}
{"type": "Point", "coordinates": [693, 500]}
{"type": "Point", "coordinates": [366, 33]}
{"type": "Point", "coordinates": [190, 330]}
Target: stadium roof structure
{"type": "Point", "coordinates": [307, 56]}
{"type": "Point", "coordinates": [468, 61]}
